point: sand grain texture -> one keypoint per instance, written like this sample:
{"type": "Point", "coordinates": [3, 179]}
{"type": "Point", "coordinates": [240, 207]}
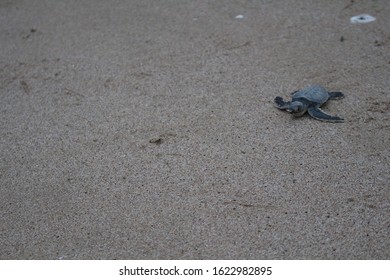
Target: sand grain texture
{"type": "Point", "coordinates": [145, 130]}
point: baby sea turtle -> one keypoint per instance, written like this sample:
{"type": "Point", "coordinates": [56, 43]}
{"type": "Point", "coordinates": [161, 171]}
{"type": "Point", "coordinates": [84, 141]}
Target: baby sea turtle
{"type": "Point", "coordinates": [309, 99]}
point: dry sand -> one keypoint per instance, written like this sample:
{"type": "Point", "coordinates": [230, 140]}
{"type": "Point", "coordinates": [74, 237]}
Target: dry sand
{"type": "Point", "coordinates": [146, 130]}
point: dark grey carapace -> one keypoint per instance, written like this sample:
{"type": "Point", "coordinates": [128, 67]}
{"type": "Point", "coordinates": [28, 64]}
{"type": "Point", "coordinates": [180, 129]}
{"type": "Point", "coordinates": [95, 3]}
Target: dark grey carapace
{"type": "Point", "coordinates": [310, 100]}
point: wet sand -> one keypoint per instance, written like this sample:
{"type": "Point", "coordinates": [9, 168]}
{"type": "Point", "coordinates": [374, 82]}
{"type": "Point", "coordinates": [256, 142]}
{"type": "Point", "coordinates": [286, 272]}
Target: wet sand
{"type": "Point", "coordinates": [146, 130]}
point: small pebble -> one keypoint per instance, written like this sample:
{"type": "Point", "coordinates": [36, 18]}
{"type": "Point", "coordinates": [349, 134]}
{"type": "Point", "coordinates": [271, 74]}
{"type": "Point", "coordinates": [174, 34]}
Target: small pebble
{"type": "Point", "coordinates": [156, 140]}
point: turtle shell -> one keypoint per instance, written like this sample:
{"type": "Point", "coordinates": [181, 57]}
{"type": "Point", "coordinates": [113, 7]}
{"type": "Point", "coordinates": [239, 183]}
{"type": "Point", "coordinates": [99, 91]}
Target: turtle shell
{"type": "Point", "coordinates": [314, 94]}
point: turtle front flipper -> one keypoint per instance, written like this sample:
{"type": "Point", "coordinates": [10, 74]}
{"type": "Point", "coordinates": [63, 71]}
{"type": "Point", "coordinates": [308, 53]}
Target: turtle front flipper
{"type": "Point", "coordinates": [318, 114]}
{"type": "Point", "coordinates": [335, 95]}
{"type": "Point", "coordinates": [280, 103]}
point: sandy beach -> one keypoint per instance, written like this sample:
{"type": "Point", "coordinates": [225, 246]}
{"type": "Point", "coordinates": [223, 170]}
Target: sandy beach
{"type": "Point", "coordinates": [146, 130]}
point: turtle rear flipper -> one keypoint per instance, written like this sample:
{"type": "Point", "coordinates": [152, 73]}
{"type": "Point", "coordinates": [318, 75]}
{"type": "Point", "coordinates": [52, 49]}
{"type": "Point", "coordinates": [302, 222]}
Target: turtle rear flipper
{"type": "Point", "coordinates": [318, 114]}
{"type": "Point", "coordinates": [280, 104]}
{"type": "Point", "coordinates": [335, 95]}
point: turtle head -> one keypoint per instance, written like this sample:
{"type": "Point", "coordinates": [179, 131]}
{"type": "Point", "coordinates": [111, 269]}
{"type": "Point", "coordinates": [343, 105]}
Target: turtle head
{"type": "Point", "coordinates": [296, 108]}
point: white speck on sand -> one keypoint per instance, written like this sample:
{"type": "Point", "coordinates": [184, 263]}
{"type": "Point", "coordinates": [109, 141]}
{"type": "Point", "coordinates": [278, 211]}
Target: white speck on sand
{"type": "Point", "coordinates": [239, 16]}
{"type": "Point", "coordinates": [363, 18]}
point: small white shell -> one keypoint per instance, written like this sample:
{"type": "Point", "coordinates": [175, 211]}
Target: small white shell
{"type": "Point", "coordinates": [239, 16]}
{"type": "Point", "coordinates": [363, 18]}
